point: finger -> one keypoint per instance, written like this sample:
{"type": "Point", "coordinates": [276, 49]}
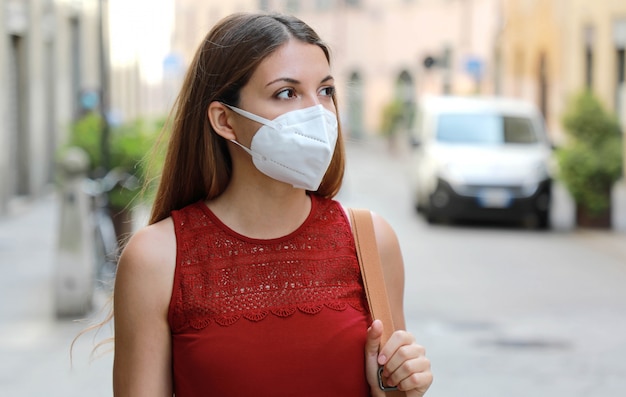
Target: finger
{"type": "Point", "coordinates": [396, 341]}
{"type": "Point", "coordinates": [372, 345]}
{"type": "Point", "coordinates": [403, 354]}
{"type": "Point", "coordinates": [417, 384]}
{"type": "Point", "coordinates": [412, 374]}
{"type": "Point", "coordinates": [374, 333]}
{"type": "Point", "coordinates": [403, 363]}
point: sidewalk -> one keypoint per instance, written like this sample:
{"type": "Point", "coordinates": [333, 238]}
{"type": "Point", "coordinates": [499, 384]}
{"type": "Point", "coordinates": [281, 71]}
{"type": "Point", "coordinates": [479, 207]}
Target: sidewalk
{"type": "Point", "coordinates": [607, 241]}
{"type": "Point", "coordinates": [34, 345]}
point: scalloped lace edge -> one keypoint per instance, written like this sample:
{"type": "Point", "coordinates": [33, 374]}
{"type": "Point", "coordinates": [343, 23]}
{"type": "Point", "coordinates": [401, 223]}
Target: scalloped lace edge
{"type": "Point", "coordinates": [256, 316]}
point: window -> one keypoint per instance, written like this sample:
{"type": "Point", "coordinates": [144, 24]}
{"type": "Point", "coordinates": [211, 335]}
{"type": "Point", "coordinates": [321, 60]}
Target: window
{"type": "Point", "coordinates": [484, 129]}
{"type": "Point", "coordinates": [355, 117]}
{"type": "Point", "coordinates": [323, 5]}
{"type": "Point", "coordinates": [292, 6]}
{"type": "Point", "coordinates": [518, 130]}
{"type": "Point", "coordinates": [75, 67]}
{"type": "Point", "coordinates": [264, 5]}
{"type": "Point", "coordinates": [589, 34]}
{"type": "Point", "coordinates": [619, 38]}
{"type": "Point", "coordinates": [543, 85]}
{"type": "Point", "coordinates": [620, 92]}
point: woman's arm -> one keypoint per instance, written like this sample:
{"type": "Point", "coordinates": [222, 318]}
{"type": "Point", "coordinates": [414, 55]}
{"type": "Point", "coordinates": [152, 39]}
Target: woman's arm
{"type": "Point", "coordinates": [143, 286]}
{"type": "Point", "coordinates": [405, 363]}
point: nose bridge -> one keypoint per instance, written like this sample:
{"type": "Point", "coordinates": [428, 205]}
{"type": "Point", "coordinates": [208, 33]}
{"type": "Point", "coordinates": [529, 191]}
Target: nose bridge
{"type": "Point", "coordinates": [311, 99]}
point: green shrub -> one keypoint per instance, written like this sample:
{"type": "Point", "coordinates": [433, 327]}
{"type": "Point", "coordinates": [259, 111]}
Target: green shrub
{"type": "Point", "coordinates": [86, 134]}
{"type": "Point", "coordinates": [592, 161]}
{"type": "Point", "coordinates": [129, 144]}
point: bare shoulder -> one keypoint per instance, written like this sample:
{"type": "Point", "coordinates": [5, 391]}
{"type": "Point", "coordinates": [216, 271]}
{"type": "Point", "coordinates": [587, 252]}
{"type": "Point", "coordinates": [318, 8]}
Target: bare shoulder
{"type": "Point", "coordinates": [148, 261]}
{"type": "Point", "coordinates": [151, 246]}
{"type": "Point", "coordinates": [386, 239]}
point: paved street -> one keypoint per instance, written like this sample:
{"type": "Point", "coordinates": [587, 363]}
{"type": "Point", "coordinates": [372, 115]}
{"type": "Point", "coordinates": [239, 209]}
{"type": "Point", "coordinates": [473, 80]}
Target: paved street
{"type": "Point", "coordinates": [503, 312]}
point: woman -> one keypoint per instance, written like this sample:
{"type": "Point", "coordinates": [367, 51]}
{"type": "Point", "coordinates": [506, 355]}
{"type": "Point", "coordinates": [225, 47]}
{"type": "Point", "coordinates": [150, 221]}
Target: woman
{"type": "Point", "coordinates": [246, 281]}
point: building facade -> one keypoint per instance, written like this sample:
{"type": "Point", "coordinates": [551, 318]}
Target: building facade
{"type": "Point", "coordinates": [384, 51]}
{"type": "Point", "coordinates": [553, 49]}
{"type": "Point", "coordinates": [379, 47]}
{"type": "Point", "coordinates": [49, 72]}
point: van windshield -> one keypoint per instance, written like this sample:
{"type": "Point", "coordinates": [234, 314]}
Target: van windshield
{"type": "Point", "coordinates": [484, 129]}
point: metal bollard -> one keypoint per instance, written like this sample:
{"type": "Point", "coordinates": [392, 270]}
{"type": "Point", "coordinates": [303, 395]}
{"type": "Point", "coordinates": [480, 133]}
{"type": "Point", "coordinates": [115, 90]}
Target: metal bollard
{"type": "Point", "coordinates": [75, 266]}
{"type": "Point", "coordinates": [618, 206]}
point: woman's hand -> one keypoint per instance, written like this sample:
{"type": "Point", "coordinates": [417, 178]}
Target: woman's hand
{"type": "Point", "coordinates": [404, 361]}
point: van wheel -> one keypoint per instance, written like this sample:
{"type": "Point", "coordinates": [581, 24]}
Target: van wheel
{"type": "Point", "coordinates": [428, 215]}
{"type": "Point", "coordinates": [538, 220]}
{"type": "Point", "coordinates": [543, 220]}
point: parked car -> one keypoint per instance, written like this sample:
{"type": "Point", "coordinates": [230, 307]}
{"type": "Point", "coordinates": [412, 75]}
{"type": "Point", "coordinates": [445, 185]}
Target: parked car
{"type": "Point", "coordinates": [483, 159]}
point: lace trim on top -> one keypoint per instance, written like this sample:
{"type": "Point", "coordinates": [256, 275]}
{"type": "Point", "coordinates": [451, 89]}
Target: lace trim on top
{"type": "Point", "coordinates": [222, 276]}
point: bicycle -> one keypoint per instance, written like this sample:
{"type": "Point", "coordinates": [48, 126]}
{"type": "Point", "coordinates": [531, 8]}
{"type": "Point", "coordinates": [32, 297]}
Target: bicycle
{"type": "Point", "coordinates": [106, 244]}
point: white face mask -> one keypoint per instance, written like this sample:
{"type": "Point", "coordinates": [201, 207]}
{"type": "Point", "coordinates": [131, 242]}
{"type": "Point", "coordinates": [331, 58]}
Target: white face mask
{"type": "Point", "coordinates": [296, 147]}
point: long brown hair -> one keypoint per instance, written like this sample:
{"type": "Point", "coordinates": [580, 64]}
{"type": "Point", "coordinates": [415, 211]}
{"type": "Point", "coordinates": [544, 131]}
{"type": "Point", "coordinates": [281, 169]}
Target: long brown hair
{"type": "Point", "coordinates": [197, 164]}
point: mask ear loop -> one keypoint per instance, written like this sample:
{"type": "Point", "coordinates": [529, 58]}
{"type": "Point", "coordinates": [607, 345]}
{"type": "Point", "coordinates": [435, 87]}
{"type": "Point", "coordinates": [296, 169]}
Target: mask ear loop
{"type": "Point", "coordinates": [249, 151]}
{"type": "Point", "coordinates": [254, 117]}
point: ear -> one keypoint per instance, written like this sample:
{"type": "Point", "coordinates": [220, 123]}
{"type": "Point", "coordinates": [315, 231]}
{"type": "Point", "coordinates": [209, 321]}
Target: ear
{"type": "Point", "coordinates": [220, 119]}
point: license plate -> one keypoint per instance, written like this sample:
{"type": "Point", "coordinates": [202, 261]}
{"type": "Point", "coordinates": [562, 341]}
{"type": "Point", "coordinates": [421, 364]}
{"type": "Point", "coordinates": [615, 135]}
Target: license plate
{"type": "Point", "coordinates": [494, 198]}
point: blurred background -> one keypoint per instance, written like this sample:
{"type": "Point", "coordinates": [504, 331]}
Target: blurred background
{"type": "Point", "coordinates": [504, 309]}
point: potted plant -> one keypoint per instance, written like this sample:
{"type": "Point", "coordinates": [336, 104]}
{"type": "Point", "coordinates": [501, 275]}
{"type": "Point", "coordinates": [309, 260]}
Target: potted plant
{"type": "Point", "coordinates": [591, 162]}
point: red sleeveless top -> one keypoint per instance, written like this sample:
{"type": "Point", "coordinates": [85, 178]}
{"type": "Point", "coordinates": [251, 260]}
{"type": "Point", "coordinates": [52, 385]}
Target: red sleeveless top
{"type": "Point", "coordinates": [276, 317]}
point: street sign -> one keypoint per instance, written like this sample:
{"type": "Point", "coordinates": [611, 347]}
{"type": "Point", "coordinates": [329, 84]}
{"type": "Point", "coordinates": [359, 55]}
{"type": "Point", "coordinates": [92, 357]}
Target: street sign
{"type": "Point", "coordinates": [474, 66]}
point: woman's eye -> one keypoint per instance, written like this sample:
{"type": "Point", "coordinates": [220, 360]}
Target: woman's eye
{"type": "Point", "coordinates": [327, 91]}
{"type": "Point", "coordinates": [287, 93]}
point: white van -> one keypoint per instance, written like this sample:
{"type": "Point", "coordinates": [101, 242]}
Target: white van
{"type": "Point", "coordinates": [481, 158]}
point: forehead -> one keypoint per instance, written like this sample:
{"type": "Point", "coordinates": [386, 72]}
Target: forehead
{"type": "Point", "coordinates": [294, 59]}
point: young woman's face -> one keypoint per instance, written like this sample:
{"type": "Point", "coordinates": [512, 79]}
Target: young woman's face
{"type": "Point", "coordinates": [295, 76]}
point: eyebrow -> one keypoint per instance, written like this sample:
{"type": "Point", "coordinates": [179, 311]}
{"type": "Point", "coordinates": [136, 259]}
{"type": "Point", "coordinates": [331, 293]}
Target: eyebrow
{"type": "Point", "coordinates": [294, 81]}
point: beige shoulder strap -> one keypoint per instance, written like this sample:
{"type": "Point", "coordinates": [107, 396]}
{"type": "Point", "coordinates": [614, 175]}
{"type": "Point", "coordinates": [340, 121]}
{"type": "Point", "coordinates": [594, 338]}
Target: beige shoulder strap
{"type": "Point", "coordinates": [373, 279]}
{"type": "Point", "coordinates": [371, 269]}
